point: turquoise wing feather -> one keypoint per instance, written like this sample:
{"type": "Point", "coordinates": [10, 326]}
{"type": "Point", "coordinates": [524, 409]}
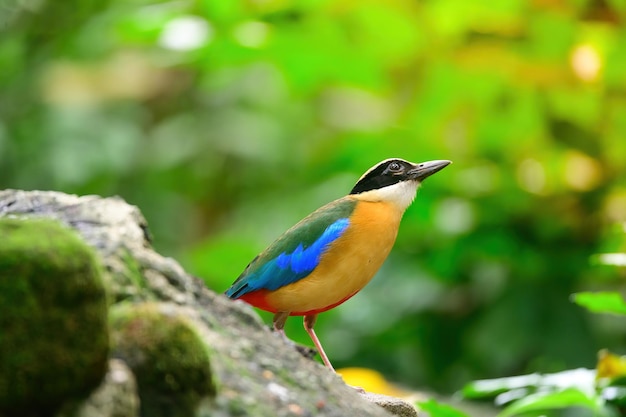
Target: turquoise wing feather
{"type": "Point", "coordinates": [297, 252]}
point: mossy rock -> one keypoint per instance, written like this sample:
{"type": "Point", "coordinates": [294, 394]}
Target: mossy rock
{"type": "Point", "coordinates": [53, 317]}
{"type": "Point", "coordinates": [169, 359]}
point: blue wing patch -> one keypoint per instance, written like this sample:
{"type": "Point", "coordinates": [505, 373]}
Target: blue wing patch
{"type": "Point", "coordinates": [287, 268]}
{"type": "Point", "coordinates": [305, 260]}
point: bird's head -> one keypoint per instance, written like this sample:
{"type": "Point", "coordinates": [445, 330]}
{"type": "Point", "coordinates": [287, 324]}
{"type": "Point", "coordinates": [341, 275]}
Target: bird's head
{"type": "Point", "coordinates": [395, 180]}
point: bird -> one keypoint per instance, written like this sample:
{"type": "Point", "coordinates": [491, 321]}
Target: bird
{"type": "Point", "coordinates": [331, 254]}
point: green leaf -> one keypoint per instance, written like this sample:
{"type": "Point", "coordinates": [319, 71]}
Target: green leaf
{"type": "Point", "coordinates": [601, 302]}
{"type": "Point", "coordinates": [435, 409]}
{"type": "Point", "coordinates": [571, 378]}
{"type": "Point", "coordinates": [542, 401]}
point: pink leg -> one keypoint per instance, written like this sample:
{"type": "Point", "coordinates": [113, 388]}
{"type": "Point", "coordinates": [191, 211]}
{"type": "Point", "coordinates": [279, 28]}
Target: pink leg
{"type": "Point", "coordinates": [309, 322]}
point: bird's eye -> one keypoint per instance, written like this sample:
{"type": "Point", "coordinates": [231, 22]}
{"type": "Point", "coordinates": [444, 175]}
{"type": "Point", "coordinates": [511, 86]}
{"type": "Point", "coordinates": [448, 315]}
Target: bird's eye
{"type": "Point", "coordinates": [394, 166]}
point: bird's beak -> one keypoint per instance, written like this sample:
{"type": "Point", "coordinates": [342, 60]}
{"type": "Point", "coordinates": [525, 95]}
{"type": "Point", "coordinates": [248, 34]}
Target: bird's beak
{"type": "Point", "coordinates": [420, 172]}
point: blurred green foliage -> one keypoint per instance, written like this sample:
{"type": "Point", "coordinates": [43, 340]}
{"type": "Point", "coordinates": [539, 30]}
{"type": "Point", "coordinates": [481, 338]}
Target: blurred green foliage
{"type": "Point", "coordinates": [228, 121]}
{"type": "Point", "coordinates": [599, 392]}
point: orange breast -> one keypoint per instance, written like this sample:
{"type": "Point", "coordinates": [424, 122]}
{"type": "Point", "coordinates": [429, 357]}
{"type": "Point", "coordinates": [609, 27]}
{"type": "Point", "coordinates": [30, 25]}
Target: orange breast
{"type": "Point", "coordinates": [348, 265]}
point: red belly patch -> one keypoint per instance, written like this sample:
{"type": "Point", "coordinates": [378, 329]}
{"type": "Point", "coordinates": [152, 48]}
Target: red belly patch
{"type": "Point", "coordinates": [258, 299]}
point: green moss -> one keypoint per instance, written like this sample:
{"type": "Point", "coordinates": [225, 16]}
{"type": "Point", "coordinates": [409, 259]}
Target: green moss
{"type": "Point", "coordinates": [125, 278]}
{"type": "Point", "coordinates": [167, 356]}
{"type": "Point", "coordinates": [53, 320]}
{"type": "Point", "coordinates": [134, 274]}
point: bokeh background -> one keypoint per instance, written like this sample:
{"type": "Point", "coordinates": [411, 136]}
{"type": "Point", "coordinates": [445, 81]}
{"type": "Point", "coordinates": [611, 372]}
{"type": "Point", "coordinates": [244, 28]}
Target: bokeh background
{"type": "Point", "coordinates": [228, 121]}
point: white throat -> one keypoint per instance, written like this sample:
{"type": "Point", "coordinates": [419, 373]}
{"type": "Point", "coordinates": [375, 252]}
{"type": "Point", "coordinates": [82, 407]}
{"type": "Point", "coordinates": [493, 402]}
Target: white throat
{"type": "Point", "coordinates": [400, 194]}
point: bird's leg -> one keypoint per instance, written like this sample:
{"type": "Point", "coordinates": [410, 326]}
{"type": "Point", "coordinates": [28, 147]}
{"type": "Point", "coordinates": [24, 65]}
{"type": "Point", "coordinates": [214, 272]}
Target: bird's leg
{"type": "Point", "coordinates": [279, 322]}
{"type": "Point", "coordinates": [309, 322]}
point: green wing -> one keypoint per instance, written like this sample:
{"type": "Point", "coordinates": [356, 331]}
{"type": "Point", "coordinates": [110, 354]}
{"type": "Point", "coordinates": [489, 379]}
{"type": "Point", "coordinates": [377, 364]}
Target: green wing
{"type": "Point", "coordinates": [296, 253]}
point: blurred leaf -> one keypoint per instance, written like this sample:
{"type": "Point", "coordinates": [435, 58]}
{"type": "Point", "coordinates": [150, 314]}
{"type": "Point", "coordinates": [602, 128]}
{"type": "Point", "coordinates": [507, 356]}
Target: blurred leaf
{"type": "Point", "coordinates": [436, 409]}
{"type": "Point", "coordinates": [371, 381]}
{"type": "Point", "coordinates": [601, 302]}
{"type": "Point", "coordinates": [610, 366]}
{"type": "Point", "coordinates": [489, 388]}
{"type": "Point", "coordinates": [559, 381]}
{"type": "Point", "coordinates": [614, 259]}
{"type": "Point", "coordinates": [543, 401]}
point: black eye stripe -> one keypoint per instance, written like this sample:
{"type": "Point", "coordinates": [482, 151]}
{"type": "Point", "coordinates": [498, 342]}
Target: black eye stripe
{"type": "Point", "coordinates": [382, 175]}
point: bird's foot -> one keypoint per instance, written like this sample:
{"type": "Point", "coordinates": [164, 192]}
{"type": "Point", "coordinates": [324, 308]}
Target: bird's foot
{"type": "Point", "coordinates": [360, 390]}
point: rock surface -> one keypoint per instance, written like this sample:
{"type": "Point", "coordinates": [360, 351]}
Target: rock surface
{"type": "Point", "coordinates": [393, 405]}
{"type": "Point", "coordinates": [238, 367]}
